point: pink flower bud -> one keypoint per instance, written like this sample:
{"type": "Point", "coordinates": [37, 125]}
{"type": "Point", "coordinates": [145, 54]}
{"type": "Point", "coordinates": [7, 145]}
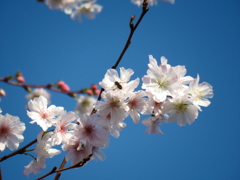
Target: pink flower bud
{"type": "Point", "coordinates": [2, 93]}
{"type": "Point", "coordinates": [97, 92]}
{"type": "Point", "coordinates": [63, 86]}
{"type": "Point", "coordinates": [90, 92]}
{"type": "Point", "coordinates": [94, 86]}
{"type": "Point", "coordinates": [20, 79]}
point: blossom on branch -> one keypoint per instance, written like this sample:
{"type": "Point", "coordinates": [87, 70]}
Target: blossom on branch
{"type": "Point", "coordinates": [41, 114]}
{"type": "Point", "coordinates": [38, 92]}
{"type": "Point", "coordinates": [11, 130]}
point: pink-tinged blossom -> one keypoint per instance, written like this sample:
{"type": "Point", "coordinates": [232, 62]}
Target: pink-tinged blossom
{"type": "Point", "coordinates": [200, 92]}
{"type": "Point", "coordinates": [113, 105]}
{"type": "Point", "coordinates": [153, 107]}
{"type": "Point", "coordinates": [85, 105]}
{"type": "Point", "coordinates": [111, 126]}
{"type": "Point", "coordinates": [38, 92]}
{"type": "Point", "coordinates": [161, 82]}
{"type": "Point", "coordinates": [136, 103]}
{"type": "Point", "coordinates": [11, 130]}
{"type": "Point", "coordinates": [112, 81]}
{"type": "Point", "coordinates": [44, 145]}
{"type": "Point", "coordinates": [89, 131]}
{"type": "Point", "coordinates": [180, 109]}
{"type": "Point", "coordinates": [77, 151]}
{"type": "Point", "coordinates": [181, 72]}
{"type": "Point", "coordinates": [153, 123]}
{"type": "Point", "coordinates": [89, 9]}
{"type": "Point", "coordinates": [34, 166]}
{"type": "Point", "coordinates": [64, 128]}
{"type": "Point", "coordinates": [41, 114]}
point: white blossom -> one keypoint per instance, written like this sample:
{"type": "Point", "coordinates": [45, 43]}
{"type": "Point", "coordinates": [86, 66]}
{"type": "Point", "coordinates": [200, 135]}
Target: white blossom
{"type": "Point", "coordinates": [200, 92]}
{"type": "Point", "coordinates": [85, 105]}
{"type": "Point", "coordinates": [38, 92]}
{"type": "Point", "coordinates": [64, 128]}
{"type": "Point", "coordinates": [180, 108]}
{"type": "Point", "coordinates": [44, 145]}
{"type": "Point", "coordinates": [11, 130]}
{"type": "Point", "coordinates": [89, 131]}
{"type": "Point", "coordinates": [89, 9]}
{"type": "Point", "coordinates": [112, 81]}
{"type": "Point", "coordinates": [41, 114]}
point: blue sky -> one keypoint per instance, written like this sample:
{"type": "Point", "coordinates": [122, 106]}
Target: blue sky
{"type": "Point", "coordinates": [46, 46]}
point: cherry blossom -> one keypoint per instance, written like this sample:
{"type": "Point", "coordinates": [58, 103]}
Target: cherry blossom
{"type": "Point", "coordinates": [11, 130]}
{"type": "Point", "coordinates": [200, 92]}
{"type": "Point", "coordinates": [41, 114]}
{"type": "Point", "coordinates": [64, 128]}
{"type": "Point", "coordinates": [89, 9]}
{"type": "Point", "coordinates": [180, 108]}
{"type": "Point", "coordinates": [153, 123]}
{"type": "Point", "coordinates": [77, 151]}
{"type": "Point", "coordinates": [136, 104]}
{"type": "Point", "coordinates": [38, 92]}
{"type": "Point", "coordinates": [112, 81]}
{"type": "Point", "coordinates": [161, 81]}
{"type": "Point", "coordinates": [90, 132]}
{"type": "Point", "coordinates": [114, 106]}
{"type": "Point", "coordinates": [44, 145]}
{"type": "Point", "coordinates": [85, 105]}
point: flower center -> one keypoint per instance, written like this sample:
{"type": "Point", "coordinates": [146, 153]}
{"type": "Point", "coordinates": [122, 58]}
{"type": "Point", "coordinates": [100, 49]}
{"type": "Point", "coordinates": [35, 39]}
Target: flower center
{"type": "Point", "coordinates": [89, 130]}
{"type": "Point", "coordinates": [44, 115]}
{"type": "Point", "coordinates": [162, 83]}
{"type": "Point", "coordinates": [4, 131]}
{"type": "Point", "coordinates": [181, 107]}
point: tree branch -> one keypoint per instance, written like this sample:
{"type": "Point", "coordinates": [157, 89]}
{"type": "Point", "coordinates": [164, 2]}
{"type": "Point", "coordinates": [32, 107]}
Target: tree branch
{"type": "Point", "coordinates": [19, 151]}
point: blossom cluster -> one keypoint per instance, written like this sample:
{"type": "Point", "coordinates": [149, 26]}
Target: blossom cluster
{"type": "Point", "coordinates": [169, 95]}
{"type": "Point", "coordinates": [89, 8]}
{"type": "Point", "coordinates": [76, 8]}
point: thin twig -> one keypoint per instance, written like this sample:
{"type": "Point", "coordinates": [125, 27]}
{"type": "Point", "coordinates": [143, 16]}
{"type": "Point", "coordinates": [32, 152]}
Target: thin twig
{"type": "Point", "coordinates": [59, 173]}
{"type": "Point", "coordinates": [49, 86]}
{"type": "Point", "coordinates": [80, 164]}
{"type": "Point", "coordinates": [19, 151]}
{"type": "Point", "coordinates": [132, 30]}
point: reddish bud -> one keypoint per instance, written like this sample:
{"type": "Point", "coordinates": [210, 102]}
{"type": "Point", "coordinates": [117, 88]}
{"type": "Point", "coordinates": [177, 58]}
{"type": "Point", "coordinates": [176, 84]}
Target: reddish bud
{"type": "Point", "coordinates": [90, 92]}
{"type": "Point", "coordinates": [94, 86]}
{"type": "Point", "coordinates": [63, 86]}
{"type": "Point", "coordinates": [97, 92]}
{"type": "Point", "coordinates": [20, 79]}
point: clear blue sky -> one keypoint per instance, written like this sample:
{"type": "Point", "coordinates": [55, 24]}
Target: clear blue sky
{"type": "Point", "coordinates": [203, 35]}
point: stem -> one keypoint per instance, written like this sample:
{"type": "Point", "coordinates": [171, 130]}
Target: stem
{"type": "Point", "coordinates": [25, 86]}
{"type": "Point", "coordinates": [59, 173]}
{"type": "Point", "coordinates": [80, 164]}
{"type": "Point", "coordinates": [20, 151]}
{"type": "Point", "coordinates": [132, 30]}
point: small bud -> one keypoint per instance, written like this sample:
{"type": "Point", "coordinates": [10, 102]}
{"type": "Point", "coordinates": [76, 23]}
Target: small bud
{"type": "Point", "coordinates": [97, 92]}
{"type": "Point", "coordinates": [72, 95]}
{"type": "Point", "coordinates": [90, 92]}
{"type": "Point", "coordinates": [2, 93]}
{"type": "Point", "coordinates": [28, 89]}
{"type": "Point", "coordinates": [20, 79]}
{"type": "Point", "coordinates": [94, 86]}
{"type": "Point", "coordinates": [63, 86]}
{"type": "Point", "coordinates": [8, 78]}
{"type": "Point", "coordinates": [132, 18]}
